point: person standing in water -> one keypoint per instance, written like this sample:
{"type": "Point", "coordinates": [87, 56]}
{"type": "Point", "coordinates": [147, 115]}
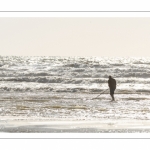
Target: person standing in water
{"type": "Point", "coordinates": [112, 87]}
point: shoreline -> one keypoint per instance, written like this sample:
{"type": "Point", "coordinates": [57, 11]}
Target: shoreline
{"type": "Point", "coordinates": [68, 126]}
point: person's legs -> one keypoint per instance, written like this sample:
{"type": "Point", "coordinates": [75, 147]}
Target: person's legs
{"type": "Point", "coordinates": [112, 94]}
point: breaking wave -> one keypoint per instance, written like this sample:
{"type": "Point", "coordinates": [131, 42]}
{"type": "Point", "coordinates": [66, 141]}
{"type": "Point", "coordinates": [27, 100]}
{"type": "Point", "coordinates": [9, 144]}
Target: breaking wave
{"type": "Point", "coordinates": [72, 74]}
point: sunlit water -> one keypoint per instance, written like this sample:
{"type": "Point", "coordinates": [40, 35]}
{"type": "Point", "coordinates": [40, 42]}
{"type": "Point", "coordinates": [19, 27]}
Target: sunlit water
{"type": "Point", "coordinates": [63, 87]}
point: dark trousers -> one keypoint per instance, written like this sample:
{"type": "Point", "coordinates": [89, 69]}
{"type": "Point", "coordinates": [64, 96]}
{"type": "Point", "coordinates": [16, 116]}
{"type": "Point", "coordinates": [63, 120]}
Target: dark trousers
{"type": "Point", "coordinates": [112, 93]}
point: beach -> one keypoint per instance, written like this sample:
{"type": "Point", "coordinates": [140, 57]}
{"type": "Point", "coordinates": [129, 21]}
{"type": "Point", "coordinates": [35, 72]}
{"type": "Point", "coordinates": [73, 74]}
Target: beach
{"type": "Point", "coordinates": [66, 126]}
{"type": "Point", "coordinates": [70, 94]}
{"type": "Point", "coordinates": [86, 116]}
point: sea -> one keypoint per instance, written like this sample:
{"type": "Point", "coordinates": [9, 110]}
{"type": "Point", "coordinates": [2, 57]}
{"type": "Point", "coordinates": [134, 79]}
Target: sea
{"type": "Point", "coordinates": [74, 88]}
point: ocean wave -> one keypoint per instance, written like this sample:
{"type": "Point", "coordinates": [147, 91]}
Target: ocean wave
{"type": "Point", "coordinates": [74, 71]}
{"type": "Point", "coordinates": [61, 88]}
{"type": "Point", "coordinates": [65, 80]}
{"type": "Point", "coordinates": [137, 74]}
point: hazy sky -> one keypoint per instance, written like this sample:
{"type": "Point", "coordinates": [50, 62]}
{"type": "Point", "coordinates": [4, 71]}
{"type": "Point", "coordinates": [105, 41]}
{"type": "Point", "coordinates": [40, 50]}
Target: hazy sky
{"type": "Point", "coordinates": [75, 36]}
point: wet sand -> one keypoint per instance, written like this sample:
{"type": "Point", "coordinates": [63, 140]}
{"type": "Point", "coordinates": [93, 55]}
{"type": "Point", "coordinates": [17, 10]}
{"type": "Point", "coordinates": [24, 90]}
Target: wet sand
{"type": "Point", "coordinates": [67, 126]}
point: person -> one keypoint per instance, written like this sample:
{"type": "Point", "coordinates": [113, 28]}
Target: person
{"type": "Point", "coordinates": [112, 87]}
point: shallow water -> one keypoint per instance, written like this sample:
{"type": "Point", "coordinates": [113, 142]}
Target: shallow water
{"type": "Point", "coordinates": [78, 107]}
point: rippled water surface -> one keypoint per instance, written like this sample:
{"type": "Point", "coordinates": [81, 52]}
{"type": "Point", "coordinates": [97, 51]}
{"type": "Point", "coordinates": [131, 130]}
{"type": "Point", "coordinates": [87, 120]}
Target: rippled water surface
{"type": "Point", "coordinates": [63, 87]}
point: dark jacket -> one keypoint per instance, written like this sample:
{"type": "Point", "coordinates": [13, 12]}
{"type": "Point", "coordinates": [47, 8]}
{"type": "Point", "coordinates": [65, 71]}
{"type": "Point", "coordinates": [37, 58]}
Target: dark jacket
{"type": "Point", "coordinates": [112, 83]}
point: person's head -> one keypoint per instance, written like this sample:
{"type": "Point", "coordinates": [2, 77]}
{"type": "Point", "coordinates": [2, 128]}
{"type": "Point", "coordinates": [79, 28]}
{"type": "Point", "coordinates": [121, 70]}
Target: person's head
{"type": "Point", "coordinates": [110, 77]}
